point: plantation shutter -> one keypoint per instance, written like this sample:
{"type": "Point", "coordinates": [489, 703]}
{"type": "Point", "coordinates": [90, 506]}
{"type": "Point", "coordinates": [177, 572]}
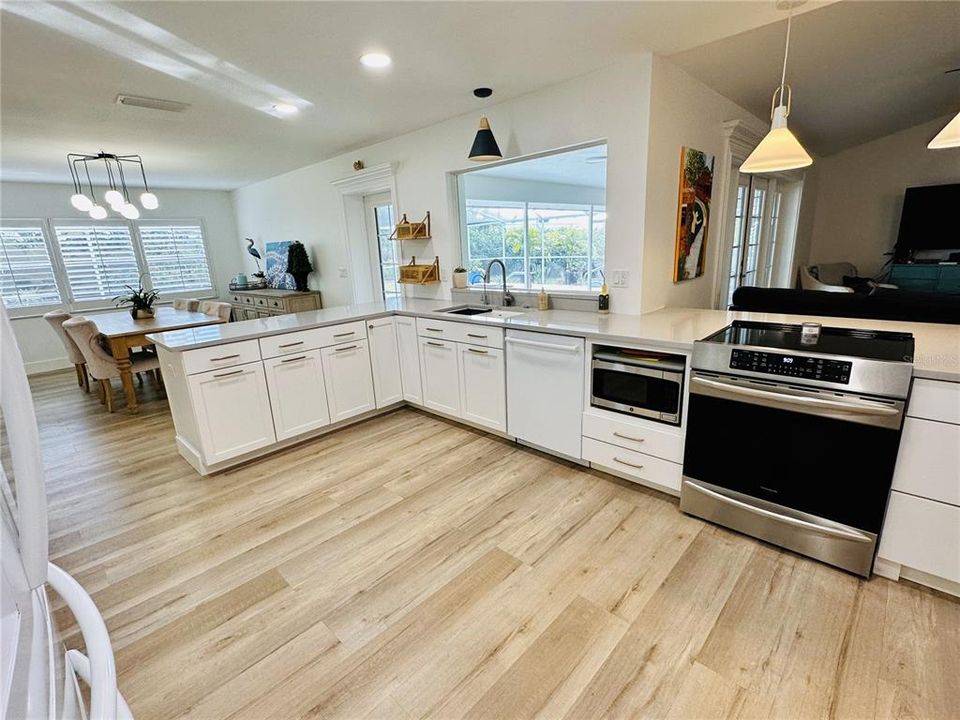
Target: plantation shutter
{"type": "Point", "coordinates": [99, 260]}
{"type": "Point", "coordinates": [176, 257]}
{"type": "Point", "coordinates": [26, 273]}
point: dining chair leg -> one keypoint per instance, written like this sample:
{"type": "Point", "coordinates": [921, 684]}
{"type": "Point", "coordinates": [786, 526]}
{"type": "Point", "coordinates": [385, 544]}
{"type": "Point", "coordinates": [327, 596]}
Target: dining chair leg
{"type": "Point", "coordinates": [139, 379]}
{"type": "Point", "coordinates": [157, 376]}
{"type": "Point", "coordinates": [103, 393]}
{"type": "Point", "coordinates": [86, 378]}
{"type": "Point", "coordinates": [79, 370]}
{"type": "Point", "coordinates": [108, 393]}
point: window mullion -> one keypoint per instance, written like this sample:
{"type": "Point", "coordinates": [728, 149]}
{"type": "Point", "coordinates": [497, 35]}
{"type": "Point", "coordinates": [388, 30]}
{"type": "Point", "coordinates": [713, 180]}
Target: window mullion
{"type": "Point", "coordinates": [138, 253]}
{"type": "Point", "coordinates": [526, 245]}
{"type": "Point", "coordinates": [59, 268]}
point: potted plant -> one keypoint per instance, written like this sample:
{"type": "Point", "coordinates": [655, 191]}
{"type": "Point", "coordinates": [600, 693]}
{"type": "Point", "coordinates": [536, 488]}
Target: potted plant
{"type": "Point", "coordinates": [140, 301]}
{"type": "Point", "coordinates": [459, 277]}
{"type": "Point", "coordinates": [299, 265]}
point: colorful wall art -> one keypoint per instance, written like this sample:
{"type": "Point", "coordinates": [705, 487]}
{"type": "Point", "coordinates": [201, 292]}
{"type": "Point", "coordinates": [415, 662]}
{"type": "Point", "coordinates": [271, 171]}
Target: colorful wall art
{"type": "Point", "coordinates": [693, 213]}
{"type": "Point", "coordinates": [277, 275]}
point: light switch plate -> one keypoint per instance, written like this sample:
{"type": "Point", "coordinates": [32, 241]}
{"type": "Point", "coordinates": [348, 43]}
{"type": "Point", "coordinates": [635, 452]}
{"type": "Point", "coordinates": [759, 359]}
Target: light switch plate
{"type": "Point", "coordinates": [342, 271]}
{"type": "Point", "coordinates": [620, 278]}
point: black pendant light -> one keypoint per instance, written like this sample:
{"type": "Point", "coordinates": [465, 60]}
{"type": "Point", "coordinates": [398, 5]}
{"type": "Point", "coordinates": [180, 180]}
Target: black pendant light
{"type": "Point", "coordinates": [485, 146]}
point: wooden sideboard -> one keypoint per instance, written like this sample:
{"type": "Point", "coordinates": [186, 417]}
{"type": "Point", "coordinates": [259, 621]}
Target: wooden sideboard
{"type": "Point", "coordinates": [252, 304]}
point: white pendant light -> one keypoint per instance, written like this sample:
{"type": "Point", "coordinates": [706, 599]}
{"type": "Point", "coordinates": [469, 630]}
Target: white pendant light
{"type": "Point", "coordinates": [780, 149]}
{"type": "Point", "coordinates": [949, 137]}
{"type": "Point", "coordinates": [129, 211]}
{"type": "Point", "coordinates": [149, 201]}
{"type": "Point", "coordinates": [98, 212]}
{"type": "Point", "coordinates": [81, 202]}
{"type": "Point", "coordinates": [114, 198]}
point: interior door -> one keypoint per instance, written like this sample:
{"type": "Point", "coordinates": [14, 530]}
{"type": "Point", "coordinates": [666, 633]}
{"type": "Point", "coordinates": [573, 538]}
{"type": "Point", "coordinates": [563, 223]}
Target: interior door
{"type": "Point", "coordinates": [384, 252]}
{"type": "Point", "coordinates": [756, 225]}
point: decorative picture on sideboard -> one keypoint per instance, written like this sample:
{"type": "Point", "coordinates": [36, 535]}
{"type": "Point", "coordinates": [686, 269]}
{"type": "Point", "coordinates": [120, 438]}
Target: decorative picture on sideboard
{"type": "Point", "coordinates": [693, 213]}
{"type": "Point", "coordinates": [277, 275]}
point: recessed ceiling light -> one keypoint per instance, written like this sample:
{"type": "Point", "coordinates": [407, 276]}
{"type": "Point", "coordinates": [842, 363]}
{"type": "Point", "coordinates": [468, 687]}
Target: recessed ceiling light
{"type": "Point", "coordinates": [286, 109]}
{"type": "Point", "coordinates": [375, 60]}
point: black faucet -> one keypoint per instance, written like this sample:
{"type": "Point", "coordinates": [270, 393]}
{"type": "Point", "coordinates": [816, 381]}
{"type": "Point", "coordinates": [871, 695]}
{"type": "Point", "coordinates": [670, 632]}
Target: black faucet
{"type": "Point", "coordinates": [508, 299]}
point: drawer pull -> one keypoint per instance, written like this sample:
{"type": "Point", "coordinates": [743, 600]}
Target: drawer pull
{"type": "Point", "coordinates": [228, 374]}
{"type": "Point", "coordinates": [628, 437]}
{"type": "Point", "coordinates": [346, 334]}
{"type": "Point", "coordinates": [628, 463]}
{"type": "Point", "coordinates": [344, 349]}
{"type": "Point", "coordinates": [276, 304]}
{"type": "Point", "coordinates": [294, 359]}
{"type": "Point", "coordinates": [225, 357]}
{"type": "Point", "coordinates": [433, 329]}
{"type": "Point", "coordinates": [435, 344]}
{"type": "Point", "coordinates": [483, 337]}
{"type": "Point", "coordinates": [293, 344]}
{"type": "Point", "coordinates": [478, 352]}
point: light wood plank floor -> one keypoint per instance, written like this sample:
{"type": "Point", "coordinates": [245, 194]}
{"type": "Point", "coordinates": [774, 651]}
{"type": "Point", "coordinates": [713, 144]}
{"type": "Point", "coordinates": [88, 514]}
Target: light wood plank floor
{"type": "Point", "coordinates": [407, 567]}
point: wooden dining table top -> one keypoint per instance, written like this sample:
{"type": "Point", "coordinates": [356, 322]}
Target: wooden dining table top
{"type": "Point", "coordinates": [121, 323]}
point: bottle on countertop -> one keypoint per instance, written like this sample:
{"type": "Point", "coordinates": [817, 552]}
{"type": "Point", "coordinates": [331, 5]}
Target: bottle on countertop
{"type": "Point", "coordinates": [603, 301]}
{"type": "Point", "coordinates": [543, 300]}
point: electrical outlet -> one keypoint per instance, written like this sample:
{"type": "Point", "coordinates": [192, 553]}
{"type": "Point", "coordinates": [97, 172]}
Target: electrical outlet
{"type": "Point", "coordinates": [620, 278]}
{"type": "Point", "coordinates": [342, 271]}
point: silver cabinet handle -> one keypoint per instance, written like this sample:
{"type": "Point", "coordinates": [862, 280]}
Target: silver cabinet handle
{"type": "Point", "coordinates": [293, 344]}
{"type": "Point", "coordinates": [484, 337]}
{"type": "Point", "coordinates": [796, 522]}
{"type": "Point", "coordinates": [346, 334]}
{"type": "Point", "coordinates": [478, 352]}
{"type": "Point", "coordinates": [863, 407]}
{"type": "Point", "coordinates": [225, 357]}
{"type": "Point", "coordinates": [435, 344]}
{"type": "Point", "coordinates": [294, 359]}
{"type": "Point", "coordinates": [228, 374]}
{"type": "Point", "coordinates": [628, 463]}
{"type": "Point", "coordinates": [628, 437]}
{"type": "Point", "coordinates": [343, 349]}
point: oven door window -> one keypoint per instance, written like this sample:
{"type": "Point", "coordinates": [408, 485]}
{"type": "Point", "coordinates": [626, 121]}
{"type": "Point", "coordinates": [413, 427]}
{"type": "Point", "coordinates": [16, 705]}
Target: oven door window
{"type": "Point", "coordinates": [834, 469]}
{"type": "Point", "coordinates": [641, 391]}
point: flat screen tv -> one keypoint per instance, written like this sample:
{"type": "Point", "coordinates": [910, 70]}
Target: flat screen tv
{"type": "Point", "coordinates": [929, 219]}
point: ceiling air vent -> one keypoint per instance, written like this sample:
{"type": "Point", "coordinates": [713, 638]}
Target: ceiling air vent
{"type": "Point", "coordinates": [152, 103]}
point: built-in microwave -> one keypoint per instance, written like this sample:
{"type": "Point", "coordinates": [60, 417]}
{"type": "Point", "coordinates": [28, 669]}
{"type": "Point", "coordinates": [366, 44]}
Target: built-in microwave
{"type": "Point", "coordinates": [638, 383]}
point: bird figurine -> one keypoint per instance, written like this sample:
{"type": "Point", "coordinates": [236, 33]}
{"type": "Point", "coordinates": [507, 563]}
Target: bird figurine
{"type": "Point", "coordinates": [251, 248]}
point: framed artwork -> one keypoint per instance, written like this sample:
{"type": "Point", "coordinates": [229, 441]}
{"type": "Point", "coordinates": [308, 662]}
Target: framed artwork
{"type": "Point", "coordinates": [693, 213]}
{"type": "Point", "coordinates": [277, 275]}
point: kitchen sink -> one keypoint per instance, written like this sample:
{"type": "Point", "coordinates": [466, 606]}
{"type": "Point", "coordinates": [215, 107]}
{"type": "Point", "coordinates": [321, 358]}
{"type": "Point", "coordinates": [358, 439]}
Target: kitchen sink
{"type": "Point", "coordinates": [483, 310]}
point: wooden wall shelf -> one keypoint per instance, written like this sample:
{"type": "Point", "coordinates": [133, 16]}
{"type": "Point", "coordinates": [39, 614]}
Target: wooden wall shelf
{"type": "Point", "coordinates": [413, 274]}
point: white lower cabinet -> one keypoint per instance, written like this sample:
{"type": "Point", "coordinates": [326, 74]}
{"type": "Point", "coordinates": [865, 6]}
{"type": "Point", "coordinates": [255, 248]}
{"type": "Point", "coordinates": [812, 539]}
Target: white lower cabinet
{"type": "Point", "coordinates": [298, 396]}
{"type": "Point", "coordinates": [232, 410]}
{"type": "Point", "coordinates": [439, 369]}
{"type": "Point", "coordinates": [483, 391]}
{"type": "Point", "coordinates": [348, 380]}
{"type": "Point", "coordinates": [408, 349]}
{"type": "Point", "coordinates": [384, 361]}
{"type": "Point", "coordinates": [922, 534]}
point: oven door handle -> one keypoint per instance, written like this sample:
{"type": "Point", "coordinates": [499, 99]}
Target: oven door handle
{"type": "Point", "coordinates": [851, 535]}
{"type": "Point", "coordinates": [863, 407]}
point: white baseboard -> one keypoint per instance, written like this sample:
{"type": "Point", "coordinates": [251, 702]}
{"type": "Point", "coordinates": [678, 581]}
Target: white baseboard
{"type": "Point", "coordinates": [38, 367]}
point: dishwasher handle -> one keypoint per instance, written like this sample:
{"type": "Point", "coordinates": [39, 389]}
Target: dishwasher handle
{"type": "Point", "coordinates": [572, 349]}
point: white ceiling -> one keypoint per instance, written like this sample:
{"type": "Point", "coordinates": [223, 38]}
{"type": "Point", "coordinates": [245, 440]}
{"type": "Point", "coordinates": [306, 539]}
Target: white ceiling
{"type": "Point", "coordinates": [859, 70]}
{"type": "Point", "coordinates": [62, 65]}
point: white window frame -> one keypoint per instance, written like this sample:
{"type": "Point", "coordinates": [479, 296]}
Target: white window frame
{"type": "Point", "coordinates": [67, 302]}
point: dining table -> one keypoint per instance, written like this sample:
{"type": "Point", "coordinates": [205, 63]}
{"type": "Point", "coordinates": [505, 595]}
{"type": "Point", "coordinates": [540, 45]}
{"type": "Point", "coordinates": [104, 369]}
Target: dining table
{"type": "Point", "coordinates": [124, 333]}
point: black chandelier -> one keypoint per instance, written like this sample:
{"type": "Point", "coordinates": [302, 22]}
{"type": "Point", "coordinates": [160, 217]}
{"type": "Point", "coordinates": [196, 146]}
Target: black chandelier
{"type": "Point", "coordinates": [117, 195]}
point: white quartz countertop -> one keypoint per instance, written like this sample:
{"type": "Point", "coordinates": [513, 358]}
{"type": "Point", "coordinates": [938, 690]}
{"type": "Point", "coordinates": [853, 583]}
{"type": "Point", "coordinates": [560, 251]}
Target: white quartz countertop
{"type": "Point", "coordinates": [936, 356]}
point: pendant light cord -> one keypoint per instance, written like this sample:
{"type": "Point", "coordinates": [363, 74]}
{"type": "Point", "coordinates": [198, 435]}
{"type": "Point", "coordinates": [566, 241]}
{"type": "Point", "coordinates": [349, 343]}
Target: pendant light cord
{"type": "Point", "coordinates": [786, 51]}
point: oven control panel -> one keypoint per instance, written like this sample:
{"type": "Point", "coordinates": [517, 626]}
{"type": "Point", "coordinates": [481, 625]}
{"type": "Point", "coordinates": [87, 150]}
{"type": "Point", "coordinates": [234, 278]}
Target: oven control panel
{"type": "Point", "coordinates": [799, 366]}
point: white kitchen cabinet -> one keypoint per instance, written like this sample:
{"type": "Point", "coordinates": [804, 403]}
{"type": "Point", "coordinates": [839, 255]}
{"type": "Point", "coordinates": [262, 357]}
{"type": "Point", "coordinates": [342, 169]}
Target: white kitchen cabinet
{"type": "Point", "coordinates": [483, 392]}
{"type": "Point", "coordinates": [384, 361]}
{"type": "Point", "coordinates": [439, 369]}
{"type": "Point", "coordinates": [922, 534]}
{"type": "Point", "coordinates": [298, 397]}
{"type": "Point", "coordinates": [409, 352]}
{"type": "Point", "coordinates": [232, 410]}
{"type": "Point", "coordinates": [348, 380]}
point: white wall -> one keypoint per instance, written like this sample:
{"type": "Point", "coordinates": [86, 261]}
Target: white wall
{"type": "Point", "coordinates": [683, 112]}
{"type": "Point", "coordinates": [42, 350]}
{"type": "Point", "coordinates": [859, 194]}
{"type": "Point", "coordinates": [611, 104]}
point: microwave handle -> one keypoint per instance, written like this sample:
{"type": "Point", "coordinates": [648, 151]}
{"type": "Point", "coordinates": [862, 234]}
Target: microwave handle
{"type": "Point", "coordinates": [786, 519]}
{"type": "Point", "coordinates": [862, 407]}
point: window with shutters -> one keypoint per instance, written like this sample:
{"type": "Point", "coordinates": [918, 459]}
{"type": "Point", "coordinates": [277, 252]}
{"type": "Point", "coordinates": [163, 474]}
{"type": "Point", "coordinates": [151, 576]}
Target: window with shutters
{"type": "Point", "coordinates": [99, 259]}
{"type": "Point", "coordinates": [27, 277]}
{"type": "Point", "coordinates": [176, 256]}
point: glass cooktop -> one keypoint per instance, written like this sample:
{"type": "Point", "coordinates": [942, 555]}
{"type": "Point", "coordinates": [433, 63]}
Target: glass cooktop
{"type": "Point", "coordinates": [874, 344]}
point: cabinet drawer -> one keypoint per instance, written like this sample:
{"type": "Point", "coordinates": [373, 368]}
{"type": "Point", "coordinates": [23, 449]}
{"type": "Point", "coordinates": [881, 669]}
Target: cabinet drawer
{"type": "Point", "coordinates": [923, 535]}
{"type": "Point", "coordinates": [334, 334]}
{"type": "Point", "coordinates": [295, 342]}
{"type": "Point", "coordinates": [645, 469]}
{"type": "Point", "coordinates": [484, 335]}
{"type": "Point", "coordinates": [634, 436]}
{"type": "Point", "coordinates": [935, 400]}
{"type": "Point", "coordinates": [220, 356]}
{"type": "Point", "coordinates": [928, 464]}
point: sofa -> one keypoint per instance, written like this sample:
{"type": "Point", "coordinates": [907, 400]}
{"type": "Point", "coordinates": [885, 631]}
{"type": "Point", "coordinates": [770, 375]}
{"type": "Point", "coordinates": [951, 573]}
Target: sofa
{"type": "Point", "coordinates": [882, 304]}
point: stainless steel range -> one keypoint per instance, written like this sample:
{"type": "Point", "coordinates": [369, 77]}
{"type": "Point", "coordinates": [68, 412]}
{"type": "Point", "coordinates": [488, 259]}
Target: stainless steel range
{"type": "Point", "coordinates": [792, 435]}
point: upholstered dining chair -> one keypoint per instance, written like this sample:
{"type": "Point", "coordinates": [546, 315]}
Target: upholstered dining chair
{"type": "Point", "coordinates": [191, 304]}
{"type": "Point", "coordinates": [56, 318]}
{"type": "Point", "coordinates": [217, 309]}
{"type": "Point", "coordinates": [100, 364]}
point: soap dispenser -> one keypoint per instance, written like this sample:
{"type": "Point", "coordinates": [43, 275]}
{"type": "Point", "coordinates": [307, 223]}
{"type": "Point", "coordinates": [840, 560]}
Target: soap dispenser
{"type": "Point", "coordinates": [543, 300]}
{"type": "Point", "coordinates": [603, 301]}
